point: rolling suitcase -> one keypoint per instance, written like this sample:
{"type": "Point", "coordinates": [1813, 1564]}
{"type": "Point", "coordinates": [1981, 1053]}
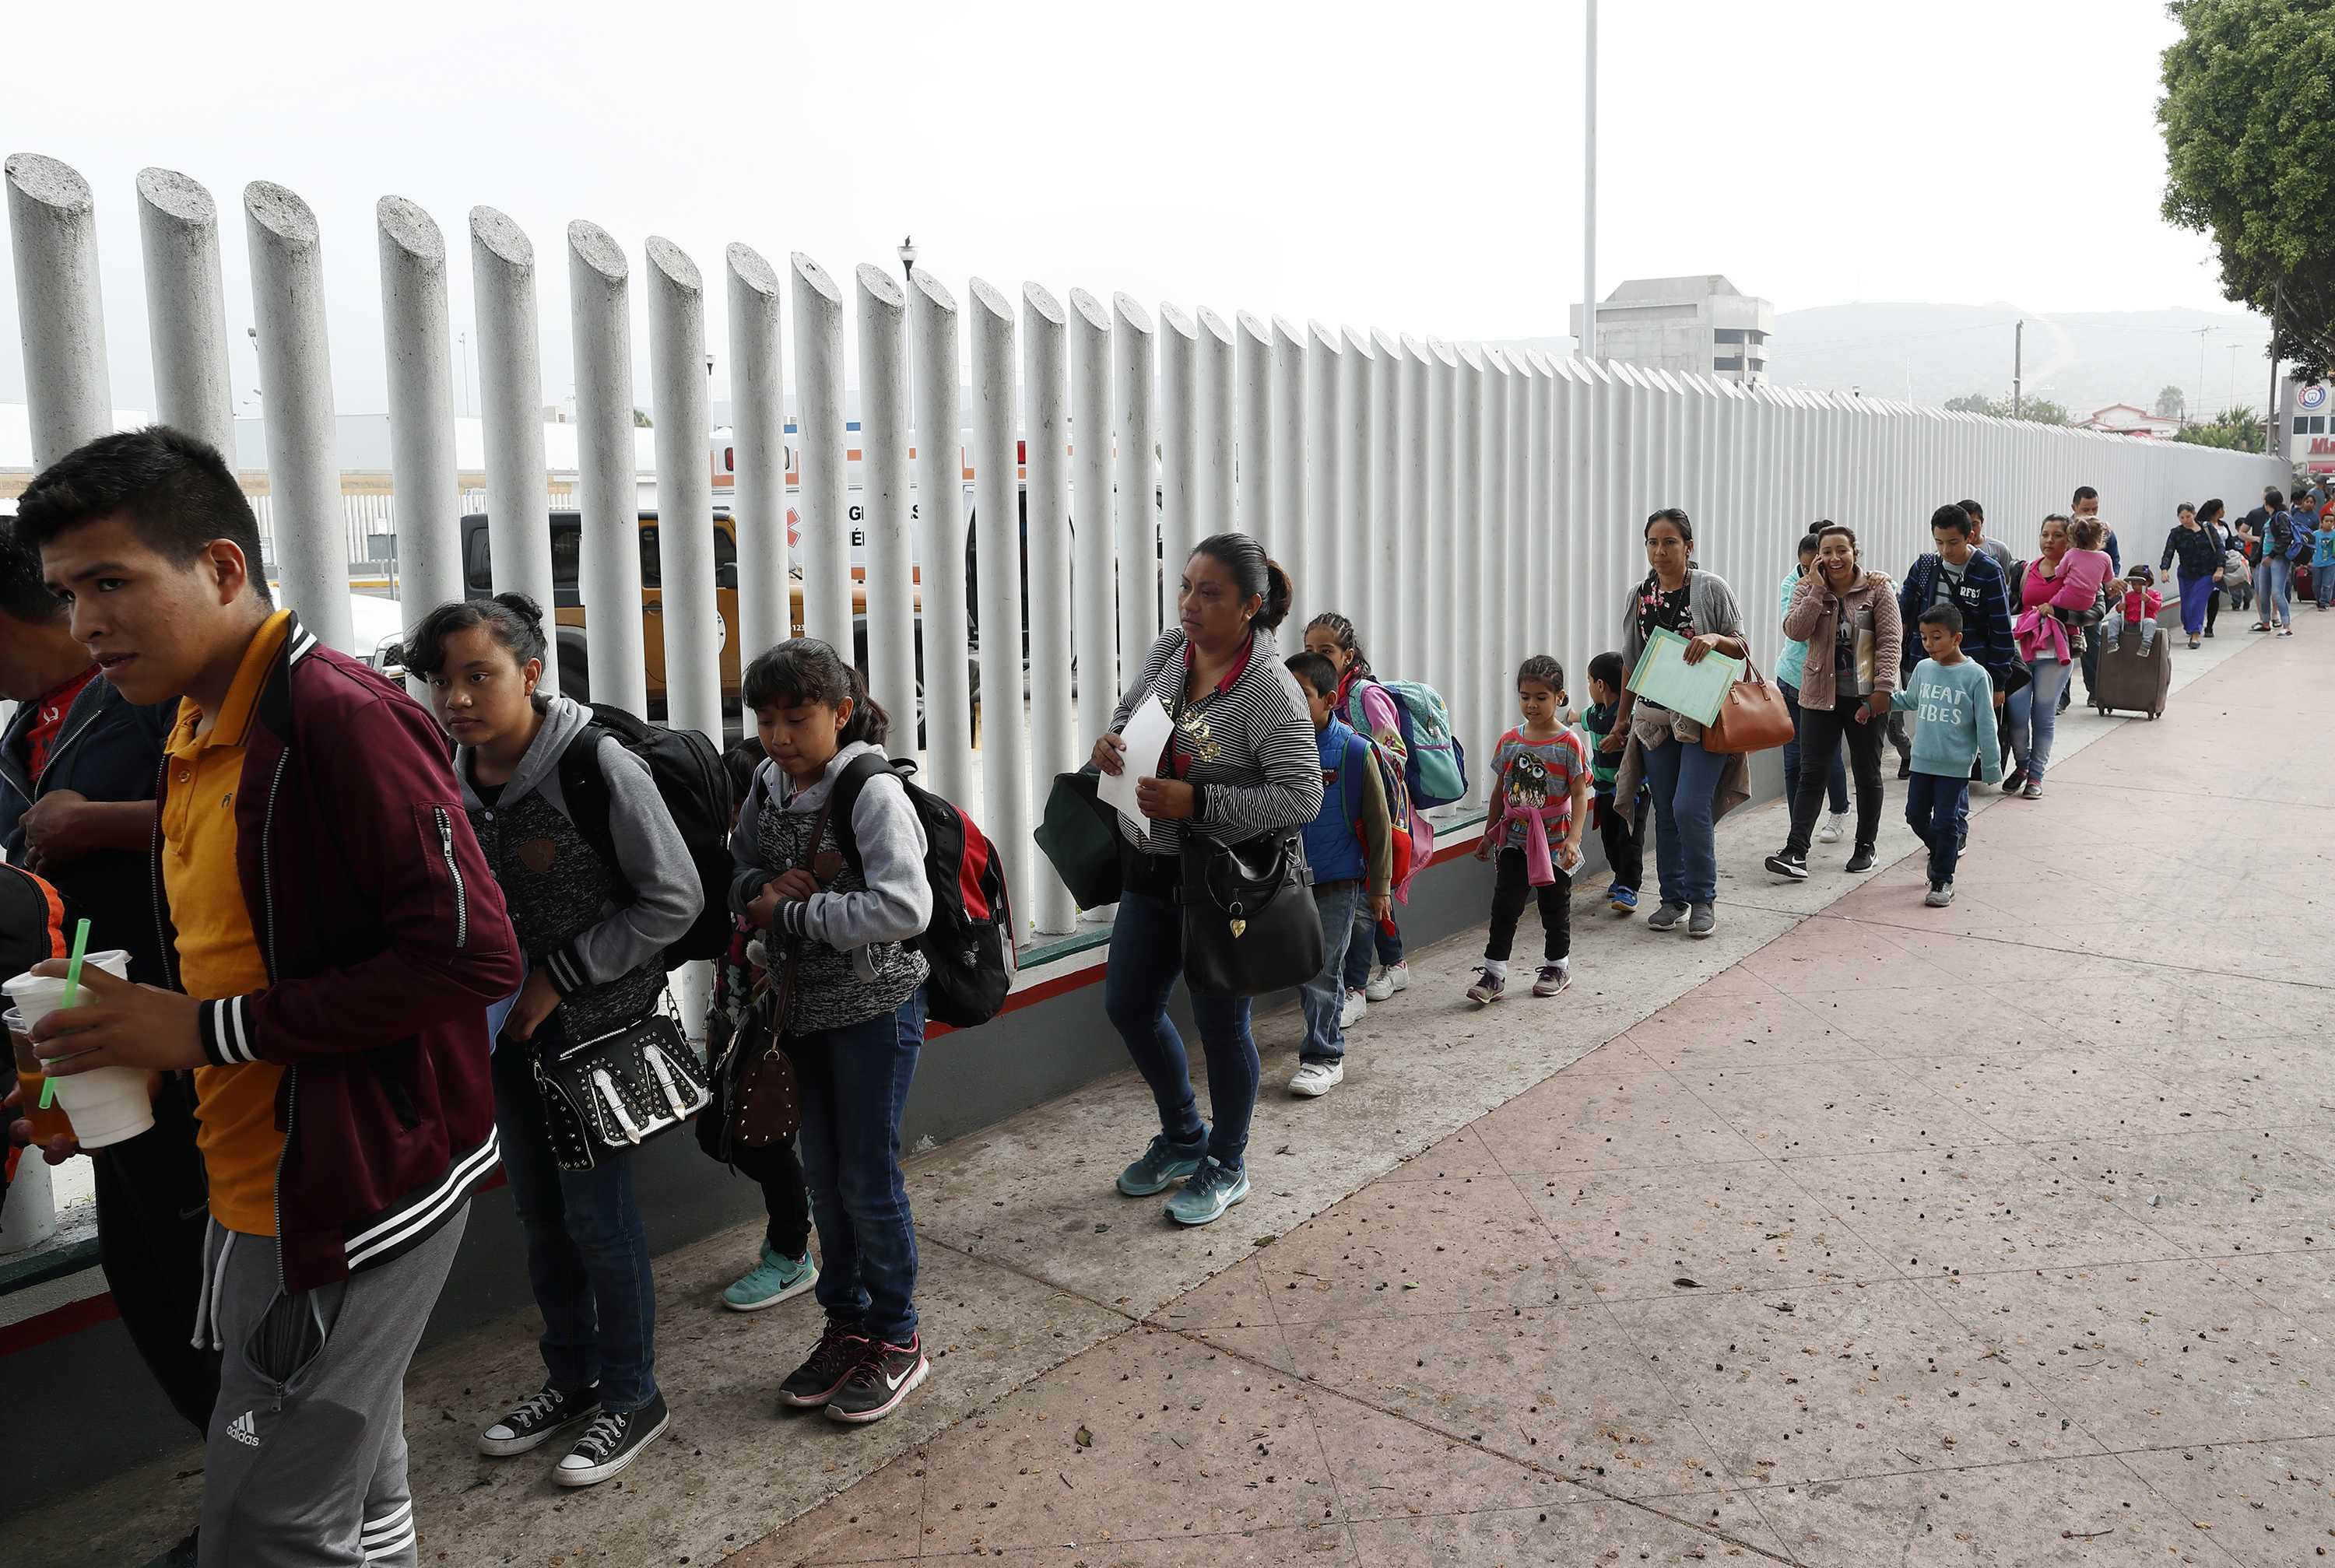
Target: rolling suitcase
{"type": "Point", "coordinates": [2132, 680]}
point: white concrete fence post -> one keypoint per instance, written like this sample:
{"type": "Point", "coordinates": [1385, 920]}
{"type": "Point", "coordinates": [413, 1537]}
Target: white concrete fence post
{"type": "Point", "coordinates": [1217, 510]}
{"type": "Point", "coordinates": [1045, 420]}
{"type": "Point", "coordinates": [821, 499]}
{"type": "Point", "coordinates": [1135, 476]}
{"type": "Point", "coordinates": [758, 444]}
{"type": "Point", "coordinates": [1494, 562]}
{"type": "Point", "coordinates": [607, 488]}
{"type": "Point", "coordinates": [1254, 452]}
{"type": "Point", "coordinates": [60, 309]}
{"type": "Point", "coordinates": [295, 372]}
{"type": "Point", "coordinates": [693, 620]}
{"type": "Point", "coordinates": [1530, 603]}
{"type": "Point", "coordinates": [423, 476]}
{"type": "Point", "coordinates": [1402, 644]}
{"type": "Point", "coordinates": [1471, 617]}
{"type": "Point", "coordinates": [940, 540]}
{"type": "Point", "coordinates": [884, 501]}
{"type": "Point", "coordinates": [997, 548]}
{"type": "Point", "coordinates": [1386, 536]}
{"type": "Point", "coordinates": [1094, 616]}
{"type": "Point", "coordinates": [1437, 646]}
{"type": "Point", "coordinates": [186, 307]}
{"type": "Point", "coordinates": [511, 405]}
{"type": "Point", "coordinates": [1355, 470]}
{"type": "Point", "coordinates": [1288, 479]}
{"type": "Point", "coordinates": [1325, 549]}
{"type": "Point", "coordinates": [1179, 456]}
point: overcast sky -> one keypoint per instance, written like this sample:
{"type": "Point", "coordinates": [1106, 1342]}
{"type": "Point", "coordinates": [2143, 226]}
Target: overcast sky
{"type": "Point", "coordinates": [1411, 167]}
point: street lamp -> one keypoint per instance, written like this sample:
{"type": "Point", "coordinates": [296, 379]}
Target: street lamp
{"type": "Point", "coordinates": [908, 259]}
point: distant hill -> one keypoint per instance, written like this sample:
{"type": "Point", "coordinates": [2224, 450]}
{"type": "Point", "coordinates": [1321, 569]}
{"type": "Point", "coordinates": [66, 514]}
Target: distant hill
{"type": "Point", "coordinates": [2081, 360]}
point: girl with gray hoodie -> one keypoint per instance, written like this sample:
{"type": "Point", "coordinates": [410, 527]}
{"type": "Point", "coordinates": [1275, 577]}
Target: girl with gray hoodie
{"type": "Point", "coordinates": [841, 894]}
{"type": "Point", "coordinates": [595, 934]}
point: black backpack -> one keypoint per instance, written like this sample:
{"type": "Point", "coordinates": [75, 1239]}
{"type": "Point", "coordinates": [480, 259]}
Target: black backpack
{"type": "Point", "coordinates": [695, 788]}
{"type": "Point", "coordinates": [970, 943]}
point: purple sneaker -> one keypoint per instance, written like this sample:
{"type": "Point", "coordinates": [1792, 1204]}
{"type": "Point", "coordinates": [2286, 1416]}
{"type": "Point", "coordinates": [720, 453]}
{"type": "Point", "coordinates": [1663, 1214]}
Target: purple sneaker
{"type": "Point", "coordinates": [1487, 988]}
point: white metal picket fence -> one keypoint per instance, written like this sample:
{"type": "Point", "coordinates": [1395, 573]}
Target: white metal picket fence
{"type": "Point", "coordinates": [1466, 505]}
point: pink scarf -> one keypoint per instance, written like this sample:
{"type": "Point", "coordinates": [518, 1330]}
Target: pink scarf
{"type": "Point", "coordinates": [2038, 633]}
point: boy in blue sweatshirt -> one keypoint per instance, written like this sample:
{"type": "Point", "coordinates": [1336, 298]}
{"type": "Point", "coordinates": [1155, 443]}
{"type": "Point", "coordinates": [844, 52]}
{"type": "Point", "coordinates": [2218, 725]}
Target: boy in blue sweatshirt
{"type": "Point", "coordinates": [1350, 845]}
{"type": "Point", "coordinates": [1954, 700]}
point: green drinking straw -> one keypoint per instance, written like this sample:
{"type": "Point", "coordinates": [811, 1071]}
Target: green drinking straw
{"type": "Point", "coordinates": [72, 984]}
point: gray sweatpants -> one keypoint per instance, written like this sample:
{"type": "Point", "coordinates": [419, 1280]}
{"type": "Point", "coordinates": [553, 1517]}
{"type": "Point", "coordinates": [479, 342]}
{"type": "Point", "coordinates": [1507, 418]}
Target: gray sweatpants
{"type": "Point", "coordinates": [305, 1462]}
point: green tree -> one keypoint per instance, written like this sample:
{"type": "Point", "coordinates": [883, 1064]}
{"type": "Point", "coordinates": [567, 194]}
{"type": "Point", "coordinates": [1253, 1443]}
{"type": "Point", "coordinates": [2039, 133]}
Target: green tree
{"type": "Point", "coordinates": [2237, 430]}
{"type": "Point", "coordinates": [2171, 404]}
{"type": "Point", "coordinates": [1971, 403]}
{"type": "Point", "coordinates": [2248, 88]}
{"type": "Point", "coordinates": [641, 419]}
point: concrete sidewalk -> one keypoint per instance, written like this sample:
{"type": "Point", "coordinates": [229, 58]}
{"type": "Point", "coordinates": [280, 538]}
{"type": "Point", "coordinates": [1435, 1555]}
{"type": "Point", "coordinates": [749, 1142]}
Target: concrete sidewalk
{"type": "Point", "coordinates": [1838, 1247]}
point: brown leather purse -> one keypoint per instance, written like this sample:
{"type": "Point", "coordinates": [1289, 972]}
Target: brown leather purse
{"type": "Point", "coordinates": [758, 1090]}
{"type": "Point", "coordinates": [1751, 717]}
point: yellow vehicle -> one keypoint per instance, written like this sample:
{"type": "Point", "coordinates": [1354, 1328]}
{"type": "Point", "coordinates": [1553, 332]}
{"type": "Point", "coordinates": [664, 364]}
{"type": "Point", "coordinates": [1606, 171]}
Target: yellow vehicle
{"type": "Point", "coordinates": [568, 609]}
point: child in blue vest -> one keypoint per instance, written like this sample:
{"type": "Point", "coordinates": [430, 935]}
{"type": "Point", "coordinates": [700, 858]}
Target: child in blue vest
{"type": "Point", "coordinates": [1540, 802]}
{"type": "Point", "coordinates": [1350, 845]}
{"type": "Point", "coordinates": [1622, 830]}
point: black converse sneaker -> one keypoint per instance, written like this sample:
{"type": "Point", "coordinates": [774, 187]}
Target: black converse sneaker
{"type": "Point", "coordinates": [841, 1346]}
{"type": "Point", "coordinates": [537, 1418]}
{"type": "Point", "coordinates": [614, 1440]}
{"type": "Point", "coordinates": [886, 1375]}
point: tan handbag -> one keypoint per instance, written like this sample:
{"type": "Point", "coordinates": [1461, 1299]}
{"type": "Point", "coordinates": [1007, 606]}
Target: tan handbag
{"type": "Point", "coordinates": [1753, 717]}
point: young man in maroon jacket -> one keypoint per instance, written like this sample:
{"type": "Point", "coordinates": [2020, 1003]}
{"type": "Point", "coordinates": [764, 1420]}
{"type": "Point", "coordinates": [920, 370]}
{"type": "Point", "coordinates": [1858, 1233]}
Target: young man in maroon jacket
{"type": "Point", "coordinates": [333, 938]}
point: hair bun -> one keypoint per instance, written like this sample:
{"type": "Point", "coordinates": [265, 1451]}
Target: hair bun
{"type": "Point", "coordinates": [1278, 593]}
{"type": "Point", "coordinates": [521, 605]}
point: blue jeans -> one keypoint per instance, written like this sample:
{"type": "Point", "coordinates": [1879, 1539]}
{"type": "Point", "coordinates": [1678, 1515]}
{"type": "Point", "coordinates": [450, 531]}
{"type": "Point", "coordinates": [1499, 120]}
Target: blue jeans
{"type": "Point", "coordinates": [1324, 997]}
{"type": "Point", "coordinates": [587, 1257]}
{"type": "Point", "coordinates": [1836, 785]}
{"type": "Point", "coordinates": [2270, 578]}
{"type": "Point", "coordinates": [854, 1083]}
{"type": "Point", "coordinates": [2322, 584]}
{"type": "Point", "coordinates": [1685, 779]}
{"type": "Point", "coordinates": [1147, 955]}
{"type": "Point", "coordinates": [1371, 940]}
{"type": "Point", "coordinates": [2035, 715]}
{"type": "Point", "coordinates": [1937, 808]}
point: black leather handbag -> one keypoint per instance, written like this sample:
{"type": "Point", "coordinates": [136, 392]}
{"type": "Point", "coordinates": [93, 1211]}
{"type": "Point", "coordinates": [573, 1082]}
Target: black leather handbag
{"type": "Point", "coordinates": [612, 1092]}
{"type": "Point", "coordinates": [1250, 923]}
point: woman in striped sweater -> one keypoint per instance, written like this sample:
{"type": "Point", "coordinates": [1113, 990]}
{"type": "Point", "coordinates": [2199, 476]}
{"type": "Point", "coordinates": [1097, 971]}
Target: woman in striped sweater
{"type": "Point", "coordinates": [1241, 761]}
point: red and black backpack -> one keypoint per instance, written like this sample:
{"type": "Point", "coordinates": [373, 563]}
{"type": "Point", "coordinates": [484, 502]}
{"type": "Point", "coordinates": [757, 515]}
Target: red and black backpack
{"type": "Point", "coordinates": [970, 943]}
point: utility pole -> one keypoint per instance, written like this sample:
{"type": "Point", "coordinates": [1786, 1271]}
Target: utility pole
{"type": "Point", "coordinates": [1589, 194]}
{"type": "Point", "coordinates": [2017, 362]}
{"type": "Point", "coordinates": [2273, 433]}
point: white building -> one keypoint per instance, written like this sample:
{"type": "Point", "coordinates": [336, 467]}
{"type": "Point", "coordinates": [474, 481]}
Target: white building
{"type": "Point", "coordinates": [1701, 325]}
{"type": "Point", "coordinates": [2127, 419]}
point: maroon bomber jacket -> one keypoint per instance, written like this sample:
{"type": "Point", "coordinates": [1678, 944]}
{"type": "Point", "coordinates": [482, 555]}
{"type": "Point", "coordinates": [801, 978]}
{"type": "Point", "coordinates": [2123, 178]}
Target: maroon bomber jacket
{"type": "Point", "coordinates": [385, 939]}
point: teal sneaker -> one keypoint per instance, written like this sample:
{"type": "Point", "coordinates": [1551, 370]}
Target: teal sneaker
{"type": "Point", "coordinates": [1213, 1188]}
{"type": "Point", "coordinates": [770, 1282]}
{"type": "Point", "coordinates": [1163, 1165]}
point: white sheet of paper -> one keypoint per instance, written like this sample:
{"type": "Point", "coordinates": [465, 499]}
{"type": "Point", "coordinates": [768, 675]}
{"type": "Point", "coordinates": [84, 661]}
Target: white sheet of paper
{"type": "Point", "coordinates": [1147, 732]}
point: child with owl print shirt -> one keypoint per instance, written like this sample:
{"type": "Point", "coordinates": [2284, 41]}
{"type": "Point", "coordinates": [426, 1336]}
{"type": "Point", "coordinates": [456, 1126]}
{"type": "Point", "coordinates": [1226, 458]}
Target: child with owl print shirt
{"type": "Point", "coordinates": [1540, 803]}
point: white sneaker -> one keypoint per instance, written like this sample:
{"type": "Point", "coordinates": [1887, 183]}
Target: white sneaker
{"type": "Point", "coordinates": [1836, 823]}
{"type": "Point", "coordinates": [1313, 1079]}
{"type": "Point", "coordinates": [1398, 975]}
{"type": "Point", "coordinates": [1381, 986]}
{"type": "Point", "coordinates": [1356, 1005]}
